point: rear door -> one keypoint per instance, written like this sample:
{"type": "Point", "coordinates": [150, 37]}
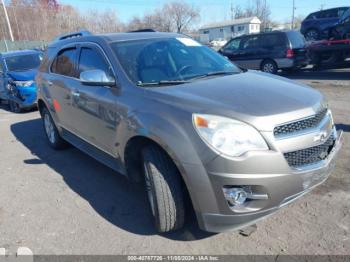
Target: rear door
{"type": "Point", "coordinates": [96, 106]}
{"type": "Point", "coordinates": [251, 52]}
{"type": "Point", "coordinates": [61, 83]}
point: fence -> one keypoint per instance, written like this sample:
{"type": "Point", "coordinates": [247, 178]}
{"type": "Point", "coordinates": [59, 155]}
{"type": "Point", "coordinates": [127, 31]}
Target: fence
{"type": "Point", "coordinates": [6, 45]}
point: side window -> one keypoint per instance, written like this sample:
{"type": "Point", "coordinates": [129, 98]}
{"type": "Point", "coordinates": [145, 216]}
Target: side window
{"type": "Point", "coordinates": [233, 45]}
{"type": "Point", "coordinates": [64, 63]}
{"type": "Point", "coordinates": [321, 14]}
{"type": "Point", "coordinates": [90, 59]}
{"type": "Point", "coordinates": [1, 67]}
{"type": "Point", "coordinates": [250, 42]}
{"type": "Point", "coordinates": [273, 41]}
{"type": "Point", "coordinates": [341, 11]}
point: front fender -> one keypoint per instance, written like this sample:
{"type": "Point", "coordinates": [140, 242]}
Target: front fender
{"type": "Point", "coordinates": [183, 145]}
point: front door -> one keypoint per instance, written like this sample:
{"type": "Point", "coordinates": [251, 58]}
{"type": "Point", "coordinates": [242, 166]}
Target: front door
{"type": "Point", "coordinates": [96, 106]}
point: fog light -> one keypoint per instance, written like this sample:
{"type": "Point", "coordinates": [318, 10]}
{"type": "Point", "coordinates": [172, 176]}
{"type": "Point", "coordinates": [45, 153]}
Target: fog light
{"type": "Point", "coordinates": [236, 195]}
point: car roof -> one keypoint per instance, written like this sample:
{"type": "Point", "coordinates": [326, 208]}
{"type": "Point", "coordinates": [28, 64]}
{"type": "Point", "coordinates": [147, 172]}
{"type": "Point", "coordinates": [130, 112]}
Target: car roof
{"type": "Point", "coordinates": [265, 33]}
{"type": "Point", "coordinates": [19, 52]}
{"type": "Point", "coordinates": [117, 37]}
{"type": "Point", "coordinates": [325, 10]}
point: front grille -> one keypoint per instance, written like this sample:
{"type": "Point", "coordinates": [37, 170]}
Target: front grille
{"type": "Point", "coordinates": [300, 125]}
{"type": "Point", "coordinates": [310, 155]}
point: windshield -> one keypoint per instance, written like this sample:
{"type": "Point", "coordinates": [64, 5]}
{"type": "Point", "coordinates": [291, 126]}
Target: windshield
{"type": "Point", "coordinates": [171, 59]}
{"type": "Point", "coordinates": [23, 62]}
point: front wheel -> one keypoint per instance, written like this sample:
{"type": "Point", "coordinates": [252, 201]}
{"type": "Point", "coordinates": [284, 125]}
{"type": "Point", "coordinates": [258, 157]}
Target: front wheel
{"type": "Point", "coordinates": [53, 137]}
{"type": "Point", "coordinates": [164, 189]}
{"type": "Point", "coordinates": [269, 66]}
{"type": "Point", "coordinates": [14, 107]}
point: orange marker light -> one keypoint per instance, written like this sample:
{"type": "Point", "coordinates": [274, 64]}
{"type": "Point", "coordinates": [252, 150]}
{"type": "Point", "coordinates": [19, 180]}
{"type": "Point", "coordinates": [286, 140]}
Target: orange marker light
{"type": "Point", "coordinates": [200, 121]}
{"type": "Point", "coordinates": [56, 105]}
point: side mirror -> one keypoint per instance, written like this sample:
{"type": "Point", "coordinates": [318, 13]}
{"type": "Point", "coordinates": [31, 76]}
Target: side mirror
{"type": "Point", "coordinates": [96, 78]}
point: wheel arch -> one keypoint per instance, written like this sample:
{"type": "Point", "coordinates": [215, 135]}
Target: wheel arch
{"type": "Point", "coordinates": [268, 59]}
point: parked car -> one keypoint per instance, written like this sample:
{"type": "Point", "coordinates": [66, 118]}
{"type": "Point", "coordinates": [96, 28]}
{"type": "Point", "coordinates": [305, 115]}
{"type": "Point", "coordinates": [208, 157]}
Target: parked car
{"type": "Point", "coordinates": [268, 52]}
{"type": "Point", "coordinates": [316, 25]}
{"type": "Point", "coordinates": [164, 110]}
{"type": "Point", "coordinates": [17, 73]}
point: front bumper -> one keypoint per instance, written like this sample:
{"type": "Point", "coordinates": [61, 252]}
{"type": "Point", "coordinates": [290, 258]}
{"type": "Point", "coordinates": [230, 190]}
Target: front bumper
{"type": "Point", "coordinates": [282, 188]}
{"type": "Point", "coordinates": [25, 97]}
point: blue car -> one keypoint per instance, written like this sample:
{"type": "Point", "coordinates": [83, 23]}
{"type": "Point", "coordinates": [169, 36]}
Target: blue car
{"type": "Point", "coordinates": [17, 75]}
{"type": "Point", "coordinates": [316, 25]}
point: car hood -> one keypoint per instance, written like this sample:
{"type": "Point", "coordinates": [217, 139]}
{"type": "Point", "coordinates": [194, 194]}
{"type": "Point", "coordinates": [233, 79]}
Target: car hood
{"type": "Point", "coordinates": [23, 75]}
{"type": "Point", "coordinates": [260, 99]}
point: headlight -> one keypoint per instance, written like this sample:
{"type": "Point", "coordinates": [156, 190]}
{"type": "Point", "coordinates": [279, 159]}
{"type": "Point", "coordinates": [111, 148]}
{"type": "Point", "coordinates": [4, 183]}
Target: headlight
{"type": "Point", "coordinates": [230, 137]}
{"type": "Point", "coordinates": [23, 83]}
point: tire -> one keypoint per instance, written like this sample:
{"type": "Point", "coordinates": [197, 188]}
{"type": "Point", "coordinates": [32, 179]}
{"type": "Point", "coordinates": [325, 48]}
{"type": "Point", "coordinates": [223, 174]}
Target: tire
{"type": "Point", "coordinates": [14, 107]}
{"type": "Point", "coordinates": [164, 189]}
{"type": "Point", "coordinates": [53, 137]}
{"type": "Point", "coordinates": [312, 35]}
{"type": "Point", "coordinates": [269, 66]}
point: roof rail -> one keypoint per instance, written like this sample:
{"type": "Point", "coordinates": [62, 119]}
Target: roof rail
{"type": "Point", "coordinates": [143, 30]}
{"type": "Point", "coordinates": [73, 34]}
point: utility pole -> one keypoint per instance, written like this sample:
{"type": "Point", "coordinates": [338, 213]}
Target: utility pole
{"type": "Point", "coordinates": [7, 20]}
{"type": "Point", "coordinates": [232, 11]}
{"type": "Point", "coordinates": [293, 15]}
{"type": "Point", "coordinates": [265, 15]}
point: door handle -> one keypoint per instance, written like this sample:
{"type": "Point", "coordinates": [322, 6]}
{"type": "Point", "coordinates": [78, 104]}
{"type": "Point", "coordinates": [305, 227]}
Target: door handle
{"type": "Point", "coordinates": [49, 83]}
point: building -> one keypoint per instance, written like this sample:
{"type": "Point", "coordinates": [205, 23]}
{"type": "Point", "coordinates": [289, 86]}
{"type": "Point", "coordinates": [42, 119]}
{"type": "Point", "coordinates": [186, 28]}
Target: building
{"type": "Point", "coordinates": [228, 29]}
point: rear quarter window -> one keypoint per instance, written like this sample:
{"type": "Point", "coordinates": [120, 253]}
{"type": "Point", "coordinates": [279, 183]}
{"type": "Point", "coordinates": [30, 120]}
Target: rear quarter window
{"type": "Point", "coordinates": [269, 41]}
{"type": "Point", "coordinates": [296, 39]}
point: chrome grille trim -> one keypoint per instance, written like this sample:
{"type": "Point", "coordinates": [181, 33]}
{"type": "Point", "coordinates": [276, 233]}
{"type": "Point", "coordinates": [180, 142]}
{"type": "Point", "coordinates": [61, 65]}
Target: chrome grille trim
{"type": "Point", "coordinates": [312, 155]}
{"type": "Point", "coordinates": [300, 125]}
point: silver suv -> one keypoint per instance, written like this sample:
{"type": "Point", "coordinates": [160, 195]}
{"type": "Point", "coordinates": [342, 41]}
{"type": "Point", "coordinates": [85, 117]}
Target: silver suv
{"type": "Point", "coordinates": [168, 112]}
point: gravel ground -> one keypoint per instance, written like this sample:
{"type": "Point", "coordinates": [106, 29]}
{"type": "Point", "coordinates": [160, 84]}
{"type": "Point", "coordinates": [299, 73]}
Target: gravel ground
{"type": "Point", "coordinates": [67, 203]}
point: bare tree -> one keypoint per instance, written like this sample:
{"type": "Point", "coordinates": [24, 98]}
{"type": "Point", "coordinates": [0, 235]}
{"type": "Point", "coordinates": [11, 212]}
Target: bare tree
{"type": "Point", "coordinates": [259, 8]}
{"type": "Point", "coordinates": [181, 15]}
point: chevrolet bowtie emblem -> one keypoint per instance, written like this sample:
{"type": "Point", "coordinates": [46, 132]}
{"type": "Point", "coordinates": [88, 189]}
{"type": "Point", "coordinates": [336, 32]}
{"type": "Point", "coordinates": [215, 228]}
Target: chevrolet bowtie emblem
{"type": "Point", "coordinates": [321, 137]}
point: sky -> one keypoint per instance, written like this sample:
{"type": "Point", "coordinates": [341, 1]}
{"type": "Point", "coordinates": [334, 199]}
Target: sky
{"type": "Point", "coordinates": [211, 10]}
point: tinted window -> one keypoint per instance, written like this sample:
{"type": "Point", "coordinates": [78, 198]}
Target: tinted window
{"type": "Point", "coordinates": [233, 45]}
{"type": "Point", "coordinates": [64, 63]}
{"type": "Point", "coordinates": [23, 62]}
{"type": "Point", "coordinates": [312, 16]}
{"type": "Point", "coordinates": [273, 41]}
{"type": "Point", "coordinates": [341, 11]}
{"type": "Point", "coordinates": [250, 42]}
{"type": "Point", "coordinates": [296, 39]}
{"type": "Point", "coordinates": [90, 59]}
{"type": "Point", "coordinates": [153, 60]}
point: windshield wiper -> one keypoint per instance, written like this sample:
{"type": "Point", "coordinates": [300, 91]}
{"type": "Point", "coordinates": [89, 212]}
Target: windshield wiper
{"type": "Point", "coordinates": [163, 82]}
{"type": "Point", "coordinates": [215, 73]}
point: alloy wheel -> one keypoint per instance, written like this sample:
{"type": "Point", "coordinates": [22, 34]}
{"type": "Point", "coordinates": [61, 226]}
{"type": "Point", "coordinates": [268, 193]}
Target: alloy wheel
{"type": "Point", "coordinates": [49, 129]}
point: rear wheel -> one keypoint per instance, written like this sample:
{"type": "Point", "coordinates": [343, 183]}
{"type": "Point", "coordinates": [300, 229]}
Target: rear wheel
{"type": "Point", "coordinates": [164, 189]}
{"type": "Point", "coordinates": [53, 137]}
{"type": "Point", "coordinates": [269, 66]}
{"type": "Point", "coordinates": [312, 35]}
